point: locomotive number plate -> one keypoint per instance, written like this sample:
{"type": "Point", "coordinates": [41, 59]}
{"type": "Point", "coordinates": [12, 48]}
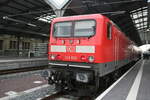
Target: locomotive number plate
{"type": "Point", "coordinates": [70, 57]}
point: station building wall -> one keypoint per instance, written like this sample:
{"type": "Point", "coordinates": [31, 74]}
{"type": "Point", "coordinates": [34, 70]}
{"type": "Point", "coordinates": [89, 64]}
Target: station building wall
{"type": "Point", "coordinates": [12, 45]}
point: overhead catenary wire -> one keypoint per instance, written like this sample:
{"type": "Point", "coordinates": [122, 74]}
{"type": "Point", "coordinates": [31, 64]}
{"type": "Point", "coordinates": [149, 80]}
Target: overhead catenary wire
{"type": "Point", "coordinates": [51, 10]}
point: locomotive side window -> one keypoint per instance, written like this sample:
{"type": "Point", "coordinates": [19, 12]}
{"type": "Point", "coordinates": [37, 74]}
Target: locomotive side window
{"type": "Point", "coordinates": [84, 28]}
{"type": "Point", "coordinates": [109, 31]}
{"type": "Point", "coordinates": [62, 29]}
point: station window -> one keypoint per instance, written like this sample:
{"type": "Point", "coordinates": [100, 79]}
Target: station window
{"type": "Point", "coordinates": [109, 31]}
{"type": "Point", "coordinates": [1, 44]}
{"type": "Point", "coordinates": [25, 45]}
{"type": "Point", "coordinates": [13, 45]}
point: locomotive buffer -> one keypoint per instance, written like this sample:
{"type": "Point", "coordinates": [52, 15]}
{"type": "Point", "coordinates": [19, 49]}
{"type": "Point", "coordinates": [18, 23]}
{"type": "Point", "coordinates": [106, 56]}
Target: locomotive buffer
{"type": "Point", "coordinates": [133, 85]}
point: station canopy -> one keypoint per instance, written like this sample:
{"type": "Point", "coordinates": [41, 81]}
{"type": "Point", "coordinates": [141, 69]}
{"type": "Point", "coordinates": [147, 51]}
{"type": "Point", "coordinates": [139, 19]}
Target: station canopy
{"type": "Point", "coordinates": [33, 17]}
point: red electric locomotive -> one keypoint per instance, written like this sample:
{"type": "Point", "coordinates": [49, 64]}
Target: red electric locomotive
{"type": "Point", "coordinates": [84, 49]}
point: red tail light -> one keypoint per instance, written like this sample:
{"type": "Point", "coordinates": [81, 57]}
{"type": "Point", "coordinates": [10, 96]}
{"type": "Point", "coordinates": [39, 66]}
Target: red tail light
{"type": "Point", "coordinates": [58, 57]}
{"type": "Point", "coordinates": [83, 58]}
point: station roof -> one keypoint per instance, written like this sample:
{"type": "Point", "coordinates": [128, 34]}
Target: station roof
{"type": "Point", "coordinates": [34, 16]}
{"type": "Point", "coordinates": [130, 15]}
{"type": "Point", "coordinates": [21, 16]}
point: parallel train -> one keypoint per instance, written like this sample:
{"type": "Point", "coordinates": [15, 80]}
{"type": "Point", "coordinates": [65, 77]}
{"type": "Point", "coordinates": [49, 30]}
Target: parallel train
{"type": "Point", "coordinates": [84, 50]}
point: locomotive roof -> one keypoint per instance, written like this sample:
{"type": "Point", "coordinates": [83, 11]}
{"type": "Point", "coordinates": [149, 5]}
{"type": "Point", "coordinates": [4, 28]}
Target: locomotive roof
{"type": "Point", "coordinates": [79, 17]}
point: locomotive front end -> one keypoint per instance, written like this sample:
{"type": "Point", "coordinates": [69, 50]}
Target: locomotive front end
{"type": "Point", "coordinates": [72, 52]}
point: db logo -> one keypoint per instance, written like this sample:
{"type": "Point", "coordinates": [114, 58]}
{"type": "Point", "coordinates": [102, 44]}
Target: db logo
{"type": "Point", "coordinates": [70, 49]}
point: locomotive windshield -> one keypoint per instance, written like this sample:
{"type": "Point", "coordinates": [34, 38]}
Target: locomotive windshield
{"type": "Point", "coordinates": [83, 28]}
{"type": "Point", "coordinates": [62, 29]}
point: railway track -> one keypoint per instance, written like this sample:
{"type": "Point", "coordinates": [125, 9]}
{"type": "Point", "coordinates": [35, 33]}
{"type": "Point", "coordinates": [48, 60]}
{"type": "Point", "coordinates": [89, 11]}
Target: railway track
{"type": "Point", "coordinates": [64, 96]}
{"type": "Point", "coordinates": [18, 70]}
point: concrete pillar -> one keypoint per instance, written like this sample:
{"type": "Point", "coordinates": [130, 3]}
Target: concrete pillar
{"type": "Point", "coordinates": [19, 46]}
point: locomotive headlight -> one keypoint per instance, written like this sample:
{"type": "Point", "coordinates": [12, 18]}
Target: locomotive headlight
{"type": "Point", "coordinates": [91, 59]}
{"type": "Point", "coordinates": [82, 77]}
{"type": "Point", "coordinates": [53, 57]}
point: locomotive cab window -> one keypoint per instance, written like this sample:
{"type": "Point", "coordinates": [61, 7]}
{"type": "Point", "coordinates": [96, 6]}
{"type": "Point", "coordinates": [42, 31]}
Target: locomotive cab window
{"type": "Point", "coordinates": [109, 31]}
{"type": "Point", "coordinates": [62, 29]}
{"type": "Point", "coordinates": [84, 28]}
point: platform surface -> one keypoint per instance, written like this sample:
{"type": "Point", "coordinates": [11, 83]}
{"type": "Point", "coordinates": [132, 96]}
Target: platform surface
{"type": "Point", "coordinates": [18, 59]}
{"type": "Point", "coordinates": [18, 62]}
{"type": "Point", "coordinates": [133, 85]}
{"type": "Point", "coordinates": [16, 85]}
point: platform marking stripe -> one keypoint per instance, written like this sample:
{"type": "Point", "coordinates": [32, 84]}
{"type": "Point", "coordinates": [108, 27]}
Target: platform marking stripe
{"type": "Point", "coordinates": [135, 87]}
{"type": "Point", "coordinates": [37, 82]}
{"type": "Point", "coordinates": [11, 93]}
{"type": "Point", "coordinates": [101, 96]}
{"type": "Point", "coordinates": [24, 92]}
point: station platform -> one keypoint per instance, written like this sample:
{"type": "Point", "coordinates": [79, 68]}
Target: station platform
{"type": "Point", "coordinates": [18, 62]}
{"type": "Point", "coordinates": [133, 85]}
{"type": "Point", "coordinates": [24, 88]}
